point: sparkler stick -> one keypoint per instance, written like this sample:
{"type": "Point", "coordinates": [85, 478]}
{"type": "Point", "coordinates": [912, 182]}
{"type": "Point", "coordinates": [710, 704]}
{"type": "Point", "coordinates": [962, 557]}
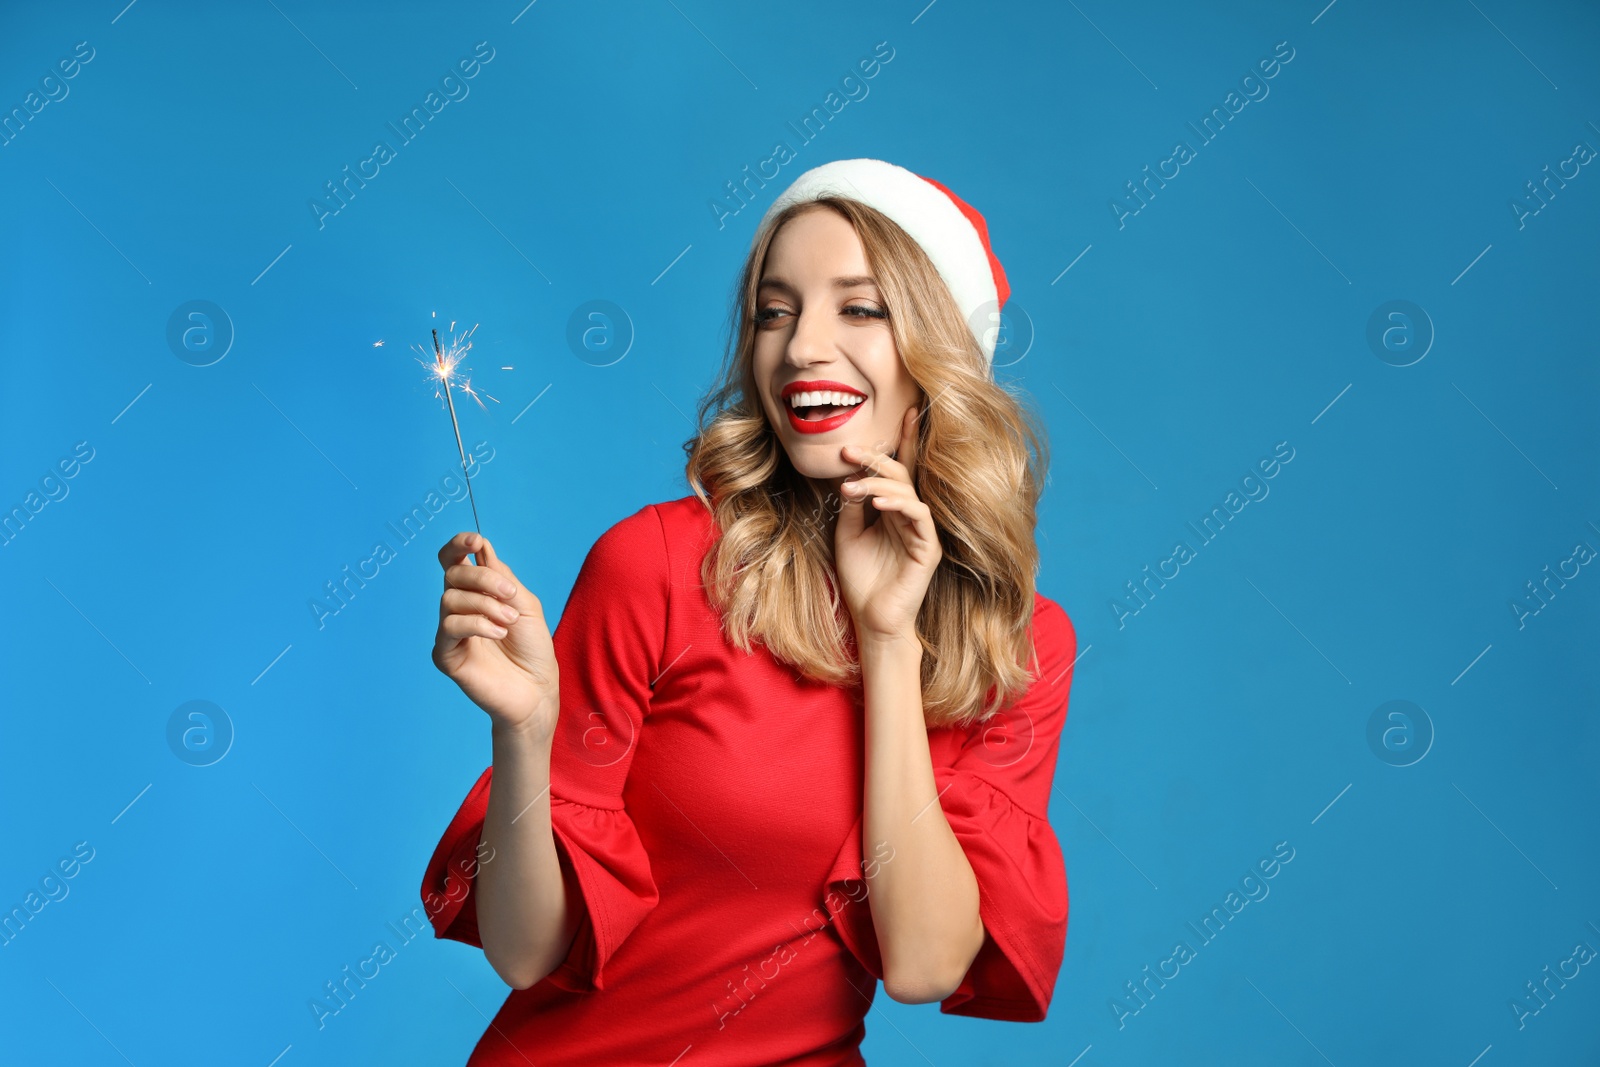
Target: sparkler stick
{"type": "Point", "coordinates": [438, 354]}
{"type": "Point", "coordinates": [443, 370]}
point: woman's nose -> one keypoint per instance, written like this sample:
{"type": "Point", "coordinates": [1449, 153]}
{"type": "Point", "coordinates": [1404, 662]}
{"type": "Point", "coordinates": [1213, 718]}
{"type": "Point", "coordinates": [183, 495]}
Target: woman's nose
{"type": "Point", "coordinates": [811, 340]}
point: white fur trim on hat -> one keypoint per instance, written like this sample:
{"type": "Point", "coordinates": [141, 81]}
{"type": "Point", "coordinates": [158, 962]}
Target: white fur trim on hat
{"type": "Point", "coordinates": [923, 211]}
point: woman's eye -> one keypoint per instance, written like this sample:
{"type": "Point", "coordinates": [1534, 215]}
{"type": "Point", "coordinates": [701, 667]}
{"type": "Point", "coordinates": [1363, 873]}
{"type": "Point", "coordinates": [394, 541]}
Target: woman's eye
{"type": "Point", "coordinates": [855, 311]}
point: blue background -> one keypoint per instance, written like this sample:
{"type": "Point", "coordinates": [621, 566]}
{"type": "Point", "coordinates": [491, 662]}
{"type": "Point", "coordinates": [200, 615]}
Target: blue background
{"type": "Point", "coordinates": [1230, 313]}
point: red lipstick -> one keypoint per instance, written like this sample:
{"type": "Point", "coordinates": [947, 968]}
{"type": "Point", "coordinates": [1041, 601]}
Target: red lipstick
{"type": "Point", "coordinates": [832, 422]}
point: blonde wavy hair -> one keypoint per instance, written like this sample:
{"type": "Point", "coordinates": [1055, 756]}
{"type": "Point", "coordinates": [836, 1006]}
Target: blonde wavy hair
{"type": "Point", "coordinates": [979, 467]}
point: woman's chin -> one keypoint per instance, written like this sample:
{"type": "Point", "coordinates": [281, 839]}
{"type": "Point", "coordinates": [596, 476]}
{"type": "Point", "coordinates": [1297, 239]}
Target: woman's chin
{"type": "Point", "coordinates": [823, 462]}
{"type": "Point", "coordinates": [819, 468]}
{"type": "Point", "coordinates": [827, 467]}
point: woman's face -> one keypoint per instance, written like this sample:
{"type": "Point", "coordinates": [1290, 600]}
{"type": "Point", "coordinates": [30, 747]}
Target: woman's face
{"type": "Point", "coordinates": [822, 327]}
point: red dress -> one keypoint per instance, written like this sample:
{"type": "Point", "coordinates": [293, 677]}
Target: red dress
{"type": "Point", "coordinates": [710, 804]}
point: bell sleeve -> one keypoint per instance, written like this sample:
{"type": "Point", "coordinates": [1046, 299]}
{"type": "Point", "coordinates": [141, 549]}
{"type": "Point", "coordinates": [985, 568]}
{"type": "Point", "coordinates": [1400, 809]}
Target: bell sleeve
{"type": "Point", "coordinates": [995, 795]}
{"type": "Point", "coordinates": [608, 645]}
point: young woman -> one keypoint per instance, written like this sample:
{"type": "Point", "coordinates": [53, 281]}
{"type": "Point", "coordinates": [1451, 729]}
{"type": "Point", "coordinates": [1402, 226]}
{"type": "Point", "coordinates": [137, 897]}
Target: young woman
{"type": "Point", "coordinates": [795, 733]}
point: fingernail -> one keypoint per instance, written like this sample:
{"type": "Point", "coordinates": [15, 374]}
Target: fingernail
{"type": "Point", "coordinates": [506, 589]}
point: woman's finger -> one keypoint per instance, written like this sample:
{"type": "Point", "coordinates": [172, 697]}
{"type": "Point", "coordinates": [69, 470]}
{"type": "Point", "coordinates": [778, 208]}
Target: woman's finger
{"type": "Point", "coordinates": [877, 458]}
{"type": "Point", "coordinates": [906, 451]}
{"type": "Point", "coordinates": [468, 543]}
{"type": "Point", "coordinates": [456, 549]}
{"type": "Point", "coordinates": [914, 511]}
{"type": "Point", "coordinates": [489, 562]}
{"type": "Point", "coordinates": [861, 488]}
{"type": "Point", "coordinates": [918, 516]}
{"type": "Point", "coordinates": [464, 602]}
{"type": "Point", "coordinates": [464, 626]}
{"type": "Point", "coordinates": [486, 556]}
{"type": "Point", "coordinates": [481, 579]}
{"type": "Point", "coordinates": [878, 462]}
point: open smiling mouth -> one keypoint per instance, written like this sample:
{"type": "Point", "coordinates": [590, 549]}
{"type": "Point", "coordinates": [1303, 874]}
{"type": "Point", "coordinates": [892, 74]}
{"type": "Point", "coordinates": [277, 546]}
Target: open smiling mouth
{"type": "Point", "coordinates": [819, 412]}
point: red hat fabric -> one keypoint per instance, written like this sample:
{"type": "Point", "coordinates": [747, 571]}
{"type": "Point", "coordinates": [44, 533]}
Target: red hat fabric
{"type": "Point", "coordinates": [999, 272]}
{"type": "Point", "coordinates": [949, 230]}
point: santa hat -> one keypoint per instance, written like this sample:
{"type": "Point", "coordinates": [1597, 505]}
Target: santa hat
{"type": "Point", "coordinates": [949, 229]}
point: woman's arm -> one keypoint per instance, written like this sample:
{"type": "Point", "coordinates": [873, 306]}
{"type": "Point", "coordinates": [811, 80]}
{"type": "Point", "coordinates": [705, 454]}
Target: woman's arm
{"type": "Point", "coordinates": [525, 917]}
{"type": "Point", "coordinates": [924, 899]}
{"type": "Point", "coordinates": [511, 671]}
{"type": "Point", "coordinates": [549, 861]}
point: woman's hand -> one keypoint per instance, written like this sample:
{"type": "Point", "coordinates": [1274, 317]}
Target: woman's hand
{"type": "Point", "coordinates": [493, 640]}
{"type": "Point", "coordinates": [885, 568]}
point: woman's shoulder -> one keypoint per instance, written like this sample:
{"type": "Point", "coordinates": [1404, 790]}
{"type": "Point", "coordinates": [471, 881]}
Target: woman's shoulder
{"type": "Point", "coordinates": [687, 516]}
{"type": "Point", "coordinates": [664, 536]}
{"type": "Point", "coordinates": [666, 521]}
{"type": "Point", "coordinates": [1052, 626]}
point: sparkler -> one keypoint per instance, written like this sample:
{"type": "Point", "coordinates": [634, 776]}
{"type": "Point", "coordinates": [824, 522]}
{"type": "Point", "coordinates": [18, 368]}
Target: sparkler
{"type": "Point", "coordinates": [446, 358]}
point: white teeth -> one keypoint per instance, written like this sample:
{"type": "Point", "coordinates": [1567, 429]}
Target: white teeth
{"type": "Point", "coordinates": [812, 399]}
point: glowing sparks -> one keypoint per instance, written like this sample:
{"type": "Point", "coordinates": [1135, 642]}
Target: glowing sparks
{"type": "Point", "coordinates": [446, 361]}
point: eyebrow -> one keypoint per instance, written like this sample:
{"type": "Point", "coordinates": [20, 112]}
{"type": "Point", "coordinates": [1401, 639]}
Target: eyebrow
{"type": "Point", "coordinates": [838, 283]}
